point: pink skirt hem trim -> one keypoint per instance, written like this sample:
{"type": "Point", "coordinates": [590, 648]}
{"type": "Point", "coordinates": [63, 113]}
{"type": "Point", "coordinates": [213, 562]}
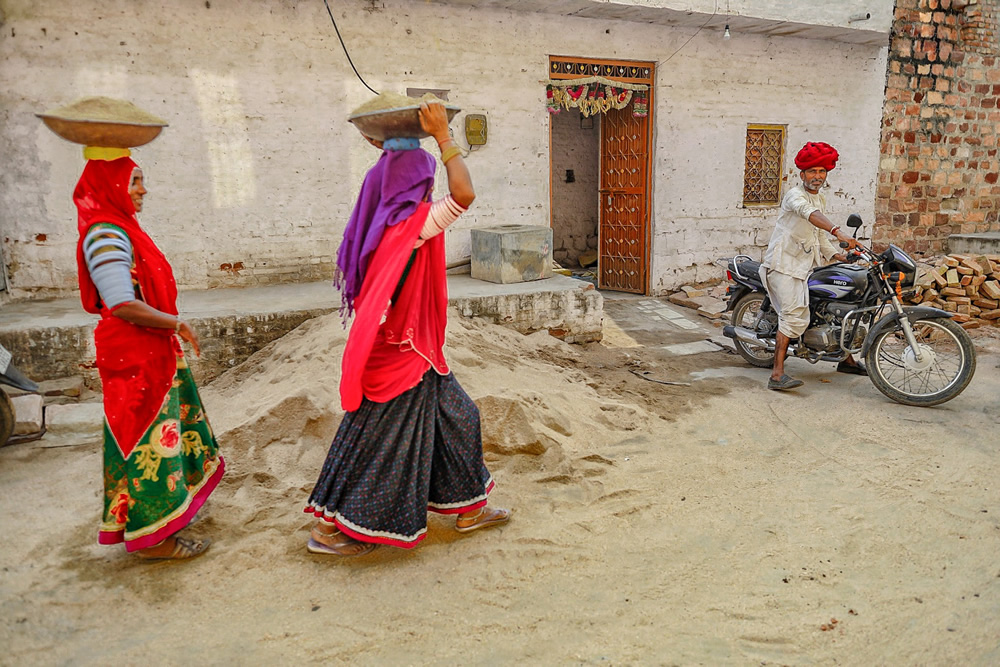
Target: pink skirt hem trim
{"type": "Point", "coordinates": [157, 536]}
{"type": "Point", "coordinates": [402, 544]}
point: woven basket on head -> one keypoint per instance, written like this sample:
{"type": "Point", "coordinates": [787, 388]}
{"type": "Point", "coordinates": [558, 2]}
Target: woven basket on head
{"type": "Point", "coordinates": [103, 121]}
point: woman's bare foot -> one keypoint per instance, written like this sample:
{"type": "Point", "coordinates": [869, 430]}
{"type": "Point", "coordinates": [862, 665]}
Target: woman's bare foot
{"type": "Point", "coordinates": [327, 539]}
{"type": "Point", "coordinates": [175, 548]}
{"type": "Point", "coordinates": [483, 517]}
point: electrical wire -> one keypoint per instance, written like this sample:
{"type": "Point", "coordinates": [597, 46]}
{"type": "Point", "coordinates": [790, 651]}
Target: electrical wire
{"type": "Point", "coordinates": [345, 48]}
{"type": "Point", "coordinates": [715, 10]}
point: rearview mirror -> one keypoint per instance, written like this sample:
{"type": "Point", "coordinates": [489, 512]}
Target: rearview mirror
{"type": "Point", "coordinates": [854, 220]}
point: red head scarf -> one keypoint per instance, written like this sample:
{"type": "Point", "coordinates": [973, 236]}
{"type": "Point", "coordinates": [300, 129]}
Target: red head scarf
{"type": "Point", "coordinates": [102, 195]}
{"type": "Point", "coordinates": [817, 154]}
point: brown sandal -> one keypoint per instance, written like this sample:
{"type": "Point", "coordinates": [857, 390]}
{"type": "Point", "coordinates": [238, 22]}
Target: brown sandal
{"type": "Point", "coordinates": [183, 549]}
{"type": "Point", "coordinates": [485, 517]}
{"type": "Point", "coordinates": [343, 546]}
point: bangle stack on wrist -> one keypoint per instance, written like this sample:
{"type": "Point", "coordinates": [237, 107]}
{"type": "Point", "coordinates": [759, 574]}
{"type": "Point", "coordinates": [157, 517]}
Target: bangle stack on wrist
{"type": "Point", "coordinates": [177, 325]}
{"type": "Point", "coordinates": [451, 151]}
{"type": "Point", "coordinates": [834, 230]}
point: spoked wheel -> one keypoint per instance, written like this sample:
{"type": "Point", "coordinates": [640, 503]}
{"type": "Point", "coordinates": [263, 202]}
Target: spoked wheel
{"type": "Point", "coordinates": [945, 368]}
{"type": "Point", "coordinates": [745, 314]}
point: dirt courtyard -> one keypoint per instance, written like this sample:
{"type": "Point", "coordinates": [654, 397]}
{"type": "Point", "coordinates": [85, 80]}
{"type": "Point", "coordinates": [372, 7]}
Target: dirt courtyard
{"type": "Point", "coordinates": [717, 523]}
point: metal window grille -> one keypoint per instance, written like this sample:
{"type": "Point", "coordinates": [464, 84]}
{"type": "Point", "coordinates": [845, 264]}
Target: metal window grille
{"type": "Point", "coordinates": [765, 153]}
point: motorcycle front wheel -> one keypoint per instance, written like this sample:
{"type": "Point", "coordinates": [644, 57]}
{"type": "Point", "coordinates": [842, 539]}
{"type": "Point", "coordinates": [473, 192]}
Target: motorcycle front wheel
{"type": "Point", "coordinates": [946, 366]}
{"type": "Point", "coordinates": [745, 314]}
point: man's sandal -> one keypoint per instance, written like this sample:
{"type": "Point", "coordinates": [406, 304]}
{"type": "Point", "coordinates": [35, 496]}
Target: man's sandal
{"type": "Point", "coordinates": [784, 383]}
{"type": "Point", "coordinates": [485, 517]}
{"type": "Point", "coordinates": [343, 545]}
{"type": "Point", "coordinates": [183, 549]}
{"type": "Point", "coordinates": [852, 369]}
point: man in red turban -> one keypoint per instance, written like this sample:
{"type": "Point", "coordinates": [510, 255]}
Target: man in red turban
{"type": "Point", "coordinates": [817, 154]}
{"type": "Point", "coordinates": [798, 245]}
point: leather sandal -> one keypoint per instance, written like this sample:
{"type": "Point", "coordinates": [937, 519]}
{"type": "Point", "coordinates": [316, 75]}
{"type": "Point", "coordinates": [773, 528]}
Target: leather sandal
{"type": "Point", "coordinates": [342, 546]}
{"type": "Point", "coordinates": [784, 383]}
{"type": "Point", "coordinates": [183, 549]}
{"type": "Point", "coordinates": [851, 369]}
{"type": "Point", "coordinates": [485, 517]}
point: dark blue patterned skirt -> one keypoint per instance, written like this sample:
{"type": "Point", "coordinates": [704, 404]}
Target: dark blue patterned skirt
{"type": "Point", "coordinates": [392, 462]}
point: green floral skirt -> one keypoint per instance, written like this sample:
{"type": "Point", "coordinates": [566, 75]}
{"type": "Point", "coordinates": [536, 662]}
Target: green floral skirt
{"type": "Point", "coordinates": [158, 488]}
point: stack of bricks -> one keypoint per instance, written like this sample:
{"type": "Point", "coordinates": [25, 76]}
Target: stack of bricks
{"type": "Point", "coordinates": [939, 168]}
{"type": "Point", "coordinates": [968, 286]}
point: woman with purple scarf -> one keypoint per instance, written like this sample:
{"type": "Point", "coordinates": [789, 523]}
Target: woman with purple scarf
{"type": "Point", "coordinates": [410, 440]}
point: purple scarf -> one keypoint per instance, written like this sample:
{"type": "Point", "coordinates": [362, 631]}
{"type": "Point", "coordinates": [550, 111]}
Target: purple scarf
{"type": "Point", "coordinates": [391, 192]}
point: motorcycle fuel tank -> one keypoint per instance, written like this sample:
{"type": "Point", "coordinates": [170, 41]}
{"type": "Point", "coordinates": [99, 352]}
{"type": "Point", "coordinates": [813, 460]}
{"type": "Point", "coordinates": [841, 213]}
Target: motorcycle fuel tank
{"type": "Point", "coordinates": [838, 281]}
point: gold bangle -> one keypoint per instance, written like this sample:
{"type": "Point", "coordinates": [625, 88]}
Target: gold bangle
{"type": "Point", "coordinates": [177, 325]}
{"type": "Point", "coordinates": [448, 154]}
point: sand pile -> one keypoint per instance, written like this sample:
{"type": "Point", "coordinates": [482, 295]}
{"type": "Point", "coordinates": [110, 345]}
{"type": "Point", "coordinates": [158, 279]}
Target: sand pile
{"type": "Point", "coordinates": [105, 110]}
{"type": "Point", "coordinates": [277, 413]}
{"type": "Point", "coordinates": [388, 100]}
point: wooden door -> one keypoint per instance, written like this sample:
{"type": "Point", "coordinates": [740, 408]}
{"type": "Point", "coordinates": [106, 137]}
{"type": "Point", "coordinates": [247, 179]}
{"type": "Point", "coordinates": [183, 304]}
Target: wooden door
{"type": "Point", "coordinates": [626, 157]}
{"type": "Point", "coordinates": [624, 215]}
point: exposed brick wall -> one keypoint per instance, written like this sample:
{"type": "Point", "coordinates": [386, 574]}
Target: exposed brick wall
{"type": "Point", "coordinates": [939, 166]}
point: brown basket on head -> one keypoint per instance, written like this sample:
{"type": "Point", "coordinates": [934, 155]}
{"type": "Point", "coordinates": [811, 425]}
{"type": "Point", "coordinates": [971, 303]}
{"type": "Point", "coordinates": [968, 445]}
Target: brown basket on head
{"type": "Point", "coordinates": [103, 121]}
{"type": "Point", "coordinates": [390, 115]}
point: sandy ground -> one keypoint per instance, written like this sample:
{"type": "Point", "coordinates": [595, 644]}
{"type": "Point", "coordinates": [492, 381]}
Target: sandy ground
{"type": "Point", "coordinates": [712, 524]}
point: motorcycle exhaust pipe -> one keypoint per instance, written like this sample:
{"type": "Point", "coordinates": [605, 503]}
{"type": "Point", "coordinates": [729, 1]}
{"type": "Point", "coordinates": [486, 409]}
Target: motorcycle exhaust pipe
{"type": "Point", "coordinates": [745, 335]}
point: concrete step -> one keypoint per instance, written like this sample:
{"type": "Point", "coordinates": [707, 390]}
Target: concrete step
{"type": "Point", "coordinates": [54, 338]}
{"type": "Point", "coordinates": [987, 243]}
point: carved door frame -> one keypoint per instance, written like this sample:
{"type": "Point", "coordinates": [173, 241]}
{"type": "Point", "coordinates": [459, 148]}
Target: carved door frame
{"type": "Point", "coordinates": [629, 71]}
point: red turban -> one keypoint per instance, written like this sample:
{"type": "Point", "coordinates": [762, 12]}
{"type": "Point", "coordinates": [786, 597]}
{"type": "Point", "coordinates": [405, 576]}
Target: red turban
{"type": "Point", "coordinates": [817, 154]}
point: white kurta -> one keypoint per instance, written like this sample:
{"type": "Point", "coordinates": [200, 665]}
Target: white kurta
{"type": "Point", "coordinates": [795, 248]}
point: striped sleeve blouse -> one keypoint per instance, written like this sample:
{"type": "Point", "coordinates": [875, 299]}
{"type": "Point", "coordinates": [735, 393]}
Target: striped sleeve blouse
{"type": "Point", "coordinates": [107, 252]}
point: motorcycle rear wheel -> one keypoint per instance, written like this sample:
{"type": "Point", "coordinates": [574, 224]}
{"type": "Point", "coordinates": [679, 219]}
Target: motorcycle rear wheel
{"type": "Point", "coordinates": [7, 418]}
{"type": "Point", "coordinates": [745, 314]}
{"type": "Point", "coordinates": [949, 362]}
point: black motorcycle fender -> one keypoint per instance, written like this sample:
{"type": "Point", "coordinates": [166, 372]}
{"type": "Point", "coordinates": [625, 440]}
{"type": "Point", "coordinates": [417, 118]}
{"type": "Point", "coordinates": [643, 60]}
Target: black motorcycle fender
{"type": "Point", "coordinates": [736, 293]}
{"type": "Point", "coordinates": [913, 313]}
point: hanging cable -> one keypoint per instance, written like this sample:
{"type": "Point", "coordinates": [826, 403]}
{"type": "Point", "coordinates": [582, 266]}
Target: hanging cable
{"type": "Point", "coordinates": [345, 47]}
{"type": "Point", "coordinates": [715, 10]}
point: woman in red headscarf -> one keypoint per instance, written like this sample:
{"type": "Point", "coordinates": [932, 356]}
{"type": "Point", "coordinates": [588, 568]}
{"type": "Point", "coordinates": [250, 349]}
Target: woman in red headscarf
{"type": "Point", "coordinates": [161, 460]}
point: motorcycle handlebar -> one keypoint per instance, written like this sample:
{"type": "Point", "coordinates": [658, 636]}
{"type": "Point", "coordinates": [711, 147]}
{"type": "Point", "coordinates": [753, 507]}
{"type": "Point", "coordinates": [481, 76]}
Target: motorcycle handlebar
{"type": "Point", "coordinates": [865, 251]}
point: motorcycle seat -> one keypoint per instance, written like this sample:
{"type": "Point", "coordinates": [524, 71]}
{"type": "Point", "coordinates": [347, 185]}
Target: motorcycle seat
{"type": "Point", "coordinates": [749, 269]}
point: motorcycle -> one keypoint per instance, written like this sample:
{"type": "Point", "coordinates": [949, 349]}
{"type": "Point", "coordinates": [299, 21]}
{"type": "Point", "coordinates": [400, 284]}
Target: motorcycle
{"type": "Point", "coordinates": [10, 375]}
{"type": "Point", "coordinates": [915, 355]}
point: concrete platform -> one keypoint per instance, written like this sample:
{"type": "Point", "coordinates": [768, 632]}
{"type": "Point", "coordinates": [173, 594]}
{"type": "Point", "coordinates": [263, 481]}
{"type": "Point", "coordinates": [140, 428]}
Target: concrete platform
{"type": "Point", "coordinates": [975, 244]}
{"type": "Point", "coordinates": [54, 338]}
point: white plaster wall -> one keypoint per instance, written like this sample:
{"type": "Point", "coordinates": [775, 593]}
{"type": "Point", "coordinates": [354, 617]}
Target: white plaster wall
{"type": "Point", "coordinates": [259, 166]}
{"type": "Point", "coordinates": [821, 91]}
